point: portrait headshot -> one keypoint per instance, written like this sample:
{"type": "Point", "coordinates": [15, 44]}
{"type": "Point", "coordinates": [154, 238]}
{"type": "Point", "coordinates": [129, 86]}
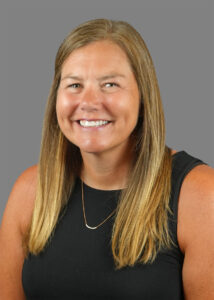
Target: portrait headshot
{"type": "Point", "coordinates": [109, 159]}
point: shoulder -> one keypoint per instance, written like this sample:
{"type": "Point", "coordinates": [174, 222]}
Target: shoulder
{"type": "Point", "coordinates": [199, 184]}
{"type": "Point", "coordinates": [196, 232]}
{"type": "Point", "coordinates": [25, 185]}
{"type": "Point", "coordinates": [21, 198]}
{"type": "Point", "coordinates": [196, 202]}
{"type": "Point", "coordinates": [27, 179]}
{"type": "Point", "coordinates": [16, 217]}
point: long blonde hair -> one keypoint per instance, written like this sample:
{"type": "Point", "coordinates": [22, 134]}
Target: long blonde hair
{"type": "Point", "coordinates": [140, 227]}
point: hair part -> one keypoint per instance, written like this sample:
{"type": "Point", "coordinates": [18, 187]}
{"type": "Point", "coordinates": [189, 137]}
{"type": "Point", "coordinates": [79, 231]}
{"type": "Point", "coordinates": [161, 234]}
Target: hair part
{"type": "Point", "coordinates": [141, 221]}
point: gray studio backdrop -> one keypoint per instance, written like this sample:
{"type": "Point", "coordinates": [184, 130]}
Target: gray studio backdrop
{"type": "Point", "coordinates": [179, 35]}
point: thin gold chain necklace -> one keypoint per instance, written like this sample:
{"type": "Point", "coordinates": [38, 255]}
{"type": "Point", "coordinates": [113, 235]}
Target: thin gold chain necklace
{"type": "Point", "coordinates": [83, 206]}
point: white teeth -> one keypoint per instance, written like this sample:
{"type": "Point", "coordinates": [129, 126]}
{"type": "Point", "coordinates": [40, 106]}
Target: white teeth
{"type": "Point", "coordinates": [86, 123]}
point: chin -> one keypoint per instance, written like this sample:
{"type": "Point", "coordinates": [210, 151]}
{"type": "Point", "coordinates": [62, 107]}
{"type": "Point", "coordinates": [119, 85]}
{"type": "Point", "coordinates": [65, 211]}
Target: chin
{"type": "Point", "coordinates": [92, 149]}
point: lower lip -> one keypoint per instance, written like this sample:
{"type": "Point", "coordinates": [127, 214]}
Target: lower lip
{"type": "Point", "coordinates": [94, 127]}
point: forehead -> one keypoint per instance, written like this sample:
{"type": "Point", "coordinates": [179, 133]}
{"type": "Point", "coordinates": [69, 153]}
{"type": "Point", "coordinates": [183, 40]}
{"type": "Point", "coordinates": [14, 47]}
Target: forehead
{"type": "Point", "coordinates": [102, 55]}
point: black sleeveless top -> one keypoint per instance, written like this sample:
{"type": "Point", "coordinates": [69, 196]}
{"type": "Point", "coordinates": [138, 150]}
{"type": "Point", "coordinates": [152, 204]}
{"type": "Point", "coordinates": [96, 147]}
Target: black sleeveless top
{"type": "Point", "coordinates": [78, 263]}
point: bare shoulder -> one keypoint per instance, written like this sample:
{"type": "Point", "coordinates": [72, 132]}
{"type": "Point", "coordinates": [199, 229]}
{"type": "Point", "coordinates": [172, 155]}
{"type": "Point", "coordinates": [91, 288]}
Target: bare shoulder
{"type": "Point", "coordinates": [22, 196]}
{"type": "Point", "coordinates": [16, 218]}
{"type": "Point", "coordinates": [196, 201]}
{"type": "Point", "coordinates": [196, 232]}
{"type": "Point", "coordinates": [25, 187]}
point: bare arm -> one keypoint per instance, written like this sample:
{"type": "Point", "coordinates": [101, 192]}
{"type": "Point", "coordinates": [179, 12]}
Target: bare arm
{"type": "Point", "coordinates": [196, 233]}
{"type": "Point", "coordinates": [15, 220]}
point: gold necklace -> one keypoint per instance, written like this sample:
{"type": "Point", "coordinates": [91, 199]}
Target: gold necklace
{"type": "Point", "coordinates": [83, 206]}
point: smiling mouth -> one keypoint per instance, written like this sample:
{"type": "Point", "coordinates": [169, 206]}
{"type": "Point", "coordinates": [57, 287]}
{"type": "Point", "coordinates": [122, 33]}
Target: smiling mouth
{"type": "Point", "coordinates": [86, 123]}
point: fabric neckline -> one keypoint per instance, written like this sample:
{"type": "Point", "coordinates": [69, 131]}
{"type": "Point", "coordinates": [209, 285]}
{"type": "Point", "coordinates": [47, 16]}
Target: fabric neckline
{"type": "Point", "coordinates": [90, 188]}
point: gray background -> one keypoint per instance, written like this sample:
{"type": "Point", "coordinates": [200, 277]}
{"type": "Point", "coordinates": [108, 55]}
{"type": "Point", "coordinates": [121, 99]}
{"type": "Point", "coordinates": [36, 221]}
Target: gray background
{"type": "Point", "coordinates": [179, 35]}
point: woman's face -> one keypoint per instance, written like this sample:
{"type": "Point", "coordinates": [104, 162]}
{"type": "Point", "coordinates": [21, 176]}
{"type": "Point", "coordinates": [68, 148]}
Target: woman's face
{"type": "Point", "coordinates": [98, 99]}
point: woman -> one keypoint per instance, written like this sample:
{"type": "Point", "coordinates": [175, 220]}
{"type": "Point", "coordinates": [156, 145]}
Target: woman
{"type": "Point", "coordinates": [109, 211]}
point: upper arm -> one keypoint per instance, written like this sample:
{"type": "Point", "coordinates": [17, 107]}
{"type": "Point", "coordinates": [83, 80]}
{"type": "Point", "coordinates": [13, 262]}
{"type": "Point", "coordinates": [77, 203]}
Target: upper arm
{"type": "Point", "coordinates": [15, 220]}
{"type": "Point", "coordinates": [196, 233]}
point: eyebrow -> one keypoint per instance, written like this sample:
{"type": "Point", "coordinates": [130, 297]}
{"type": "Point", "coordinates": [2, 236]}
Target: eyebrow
{"type": "Point", "coordinates": [111, 75]}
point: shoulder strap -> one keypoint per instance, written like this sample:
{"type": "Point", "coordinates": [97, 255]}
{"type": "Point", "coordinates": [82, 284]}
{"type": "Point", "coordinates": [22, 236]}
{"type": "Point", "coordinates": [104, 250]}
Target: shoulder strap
{"type": "Point", "coordinates": [182, 164]}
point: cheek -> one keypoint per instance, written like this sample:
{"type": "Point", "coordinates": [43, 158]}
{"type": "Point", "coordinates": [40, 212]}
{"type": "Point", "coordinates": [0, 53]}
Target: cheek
{"type": "Point", "coordinates": [64, 105]}
{"type": "Point", "coordinates": [128, 108]}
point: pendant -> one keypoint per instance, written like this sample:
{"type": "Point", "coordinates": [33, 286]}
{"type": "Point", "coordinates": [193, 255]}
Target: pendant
{"type": "Point", "coordinates": [90, 226]}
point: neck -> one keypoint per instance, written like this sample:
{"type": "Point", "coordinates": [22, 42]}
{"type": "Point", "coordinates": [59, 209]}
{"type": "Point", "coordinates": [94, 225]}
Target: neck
{"type": "Point", "coordinates": [106, 171]}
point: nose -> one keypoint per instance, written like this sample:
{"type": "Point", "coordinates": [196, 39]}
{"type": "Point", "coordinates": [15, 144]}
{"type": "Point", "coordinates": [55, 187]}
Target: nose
{"type": "Point", "coordinates": [91, 99]}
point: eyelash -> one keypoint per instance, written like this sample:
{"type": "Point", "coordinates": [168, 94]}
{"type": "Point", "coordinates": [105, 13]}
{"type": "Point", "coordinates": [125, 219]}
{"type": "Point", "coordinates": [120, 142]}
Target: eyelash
{"type": "Point", "coordinates": [112, 83]}
{"type": "Point", "coordinates": [77, 84]}
{"type": "Point", "coordinates": [72, 85]}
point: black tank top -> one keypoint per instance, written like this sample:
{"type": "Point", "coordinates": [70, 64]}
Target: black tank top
{"type": "Point", "coordinates": [78, 263]}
